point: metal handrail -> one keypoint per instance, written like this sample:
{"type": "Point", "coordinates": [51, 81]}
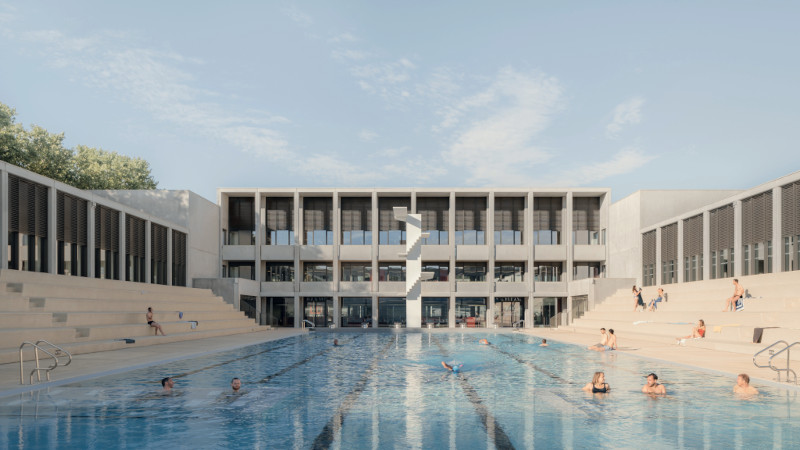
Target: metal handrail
{"type": "Point", "coordinates": [765, 349]}
{"type": "Point", "coordinates": [310, 322]}
{"type": "Point", "coordinates": [37, 370]}
{"type": "Point", "coordinates": [788, 369]}
{"type": "Point", "coordinates": [518, 323]}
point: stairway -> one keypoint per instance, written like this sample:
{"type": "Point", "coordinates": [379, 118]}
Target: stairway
{"type": "Point", "coordinates": [85, 315]}
{"type": "Point", "coordinates": [772, 302]}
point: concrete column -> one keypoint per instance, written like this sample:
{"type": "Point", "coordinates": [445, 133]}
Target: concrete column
{"type": "Point", "coordinates": [169, 257]}
{"type": "Point", "coordinates": [4, 219]}
{"type": "Point", "coordinates": [659, 264]}
{"type": "Point", "coordinates": [491, 263]}
{"type": "Point", "coordinates": [374, 260]}
{"type": "Point", "coordinates": [413, 271]}
{"type": "Point", "coordinates": [52, 229]}
{"type": "Point", "coordinates": [567, 237]}
{"type": "Point", "coordinates": [123, 250]}
{"type": "Point", "coordinates": [90, 224]}
{"type": "Point", "coordinates": [297, 223]}
{"type": "Point", "coordinates": [680, 267]}
{"type": "Point", "coordinates": [337, 239]}
{"type": "Point", "coordinates": [298, 311]}
{"type": "Point", "coordinates": [451, 242]}
{"type": "Point", "coordinates": [706, 245]}
{"type": "Point", "coordinates": [777, 232]}
{"type": "Point", "coordinates": [738, 259]}
{"type": "Point", "coordinates": [148, 251]}
{"type": "Point", "coordinates": [260, 230]}
{"type": "Point", "coordinates": [528, 240]}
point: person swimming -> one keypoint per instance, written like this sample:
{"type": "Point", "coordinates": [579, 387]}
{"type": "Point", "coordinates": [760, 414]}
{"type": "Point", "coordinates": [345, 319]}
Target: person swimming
{"type": "Point", "coordinates": [455, 368]}
{"type": "Point", "coordinates": [484, 342]}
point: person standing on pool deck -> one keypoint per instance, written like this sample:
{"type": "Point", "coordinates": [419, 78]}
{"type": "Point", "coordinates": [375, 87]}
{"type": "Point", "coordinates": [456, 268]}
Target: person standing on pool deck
{"type": "Point", "coordinates": [653, 386]}
{"type": "Point", "coordinates": [598, 384]}
{"type": "Point", "coordinates": [743, 385]}
{"type": "Point", "coordinates": [152, 322]}
{"type": "Point", "coordinates": [167, 383]}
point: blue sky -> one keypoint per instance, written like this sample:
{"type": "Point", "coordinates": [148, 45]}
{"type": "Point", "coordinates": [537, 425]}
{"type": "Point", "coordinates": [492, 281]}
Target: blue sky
{"type": "Point", "coordinates": [626, 95]}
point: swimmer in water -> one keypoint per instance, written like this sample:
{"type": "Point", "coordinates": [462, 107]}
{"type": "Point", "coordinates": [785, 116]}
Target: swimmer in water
{"type": "Point", "coordinates": [544, 343]}
{"type": "Point", "coordinates": [335, 342]}
{"type": "Point", "coordinates": [483, 342]}
{"type": "Point", "coordinates": [454, 368]}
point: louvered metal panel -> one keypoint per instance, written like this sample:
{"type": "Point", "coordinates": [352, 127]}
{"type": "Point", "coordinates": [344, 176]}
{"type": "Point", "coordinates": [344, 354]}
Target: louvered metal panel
{"type": "Point", "coordinates": [241, 213]}
{"type": "Point", "coordinates": [280, 213]}
{"type": "Point", "coordinates": [585, 213]}
{"type": "Point", "coordinates": [693, 235]}
{"type": "Point", "coordinates": [317, 213]}
{"type": "Point", "coordinates": [178, 258]}
{"type": "Point", "coordinates": [435, 212]}
{"type": "Point", "coordinates": [13, 204]}
{"type": "Point", "coordinates": [106, 228]}
{"type": "Point", "coordinates": [134, 236]}
{"type": "Point", "coordinates": [721, 224]}
{"type": "Point", "coordinates": [158, 242]}
{"type": "Point", "coordinates": [386, 221]}
{"type": "Point", "coordinates": [356, 214]}
{"type": "Point", "coordinates": [757, 218]}
{"type": "Point", "coordinates": [39, 224]}
{"type": "Point", "coordinates": [790, 209]}
{"type": "Point", "coordinates": [547, 213]}
{"type": "Point", "coordinates": [509, 213]}
{"type": "Point", "coordinates": [63, 204]}
{"type": "Point", "coordinates": [470, 213]}
{"type": "Point", "coordinates": [649, 248]}
{"type": "Point", "coordinates": [669, 242]}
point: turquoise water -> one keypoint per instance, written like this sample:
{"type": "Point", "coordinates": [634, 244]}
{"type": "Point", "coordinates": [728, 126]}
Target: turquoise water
{"type": "Point", "coordinates": [389, 390]}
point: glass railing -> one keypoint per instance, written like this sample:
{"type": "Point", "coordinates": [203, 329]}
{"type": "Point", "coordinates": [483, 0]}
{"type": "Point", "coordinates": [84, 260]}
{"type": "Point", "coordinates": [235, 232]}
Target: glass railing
{"type": "Point", "coordinates": [280, 237]}
{"type": "Point", "coordinates": [587, 237]}
{"type": "Point", "coordinates": [241, 237]}
{"type": "Point", "coordinates": [546, 237]}
{"type": "Point", "coordinates": [507, 237]}
{"type": "Point", "coordinates": [356, 237]}
{"type": "Point", "coordinates": [319, 237]}
{"type": "Point", "coordinates": [470, 237]}
{"type": "Point", "coordinates": [437, 237]}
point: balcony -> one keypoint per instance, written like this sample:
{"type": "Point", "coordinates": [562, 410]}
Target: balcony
{"type": "Point", "coordinates": [473, 287]}
{"type": "Point", "coordinates": [238, 252]}
{"type": "Point", "coordinates": [356, 287]}
{"type": "Point", "coordinates": [513, 289]}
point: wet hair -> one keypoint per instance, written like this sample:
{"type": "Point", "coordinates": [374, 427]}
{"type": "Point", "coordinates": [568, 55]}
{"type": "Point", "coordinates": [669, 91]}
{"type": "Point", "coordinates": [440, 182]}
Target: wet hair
{"type": "Point", "coordinates": [596, 377]}
{"type": "Point", "coordinates": [164, 381]}
{"type": "Point", "coordinates": [745, 377]}
{"type": "Point", "coordinates": [611, 330]}
{"type": "Point", "coordinates": [655, 377]}
{"type": "Point", "coordinates": [234, 379]}
{"type": "Point", "coordinates": [544, 341]}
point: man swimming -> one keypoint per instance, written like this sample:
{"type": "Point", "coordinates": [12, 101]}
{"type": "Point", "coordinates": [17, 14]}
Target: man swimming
{"type": "Point", "coordinates": [483, 342]}
{"type": "Point", "coordinates": [743, 385]}
{"type": "Point", "coordinates": [236, 384]}
{"type": "Point", "coordinates": [454, 368]}
{"type": "Point", "coordinates": [544, 343]}
{"type": "Point", "coordinates": [653, 386]}
{"type": "Point", "coordinates": [167, 383]}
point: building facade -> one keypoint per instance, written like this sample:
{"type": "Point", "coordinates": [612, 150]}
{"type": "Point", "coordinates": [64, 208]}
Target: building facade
{"type": "Point", "coordinates": [334, 257]}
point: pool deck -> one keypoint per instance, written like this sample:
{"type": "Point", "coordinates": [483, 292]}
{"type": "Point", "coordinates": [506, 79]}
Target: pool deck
{"type": "Point", "coordinates": [92, 365]}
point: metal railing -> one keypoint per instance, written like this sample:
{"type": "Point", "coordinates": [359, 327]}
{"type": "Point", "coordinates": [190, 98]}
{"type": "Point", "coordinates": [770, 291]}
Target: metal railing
{"type": "Point", "coordinates": [517, 324]}
{"type": "Point", "coordinates": [308, 322]}
{"type": "Point", "coordinates": [787, 349]}
{"type": "Point", "coordinates": [38, 369]}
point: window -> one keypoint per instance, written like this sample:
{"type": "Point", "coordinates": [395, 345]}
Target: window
{"type": "Point", "coordinates": [548, 271]}
{"type": "Point", "coordinates": [318, 310]}
{"type": "Point", "coordinates": [134, 248]}
{"type": "Point", "coordinates": [357, 271]}
{"type": "Point", "coordinates": [470, 221]}
{"type": "Point", "coordinates": [582, 270]}
{"type": "Point", "coordinates": [471, 311]}
{"type": "Point", "coordinates": [790, 225]}
{"type": "Point", "coordinates": [158, 254]}
{"type": "Point", "coordinates": [241, 221]}
{"type": "Point", "coordinates": [510, 272]}
{"type": "Point", "coordinates": [391, 231]}
{"type": "Point", "coordinates": [237, 269]}
{"type": "Point", "coordinates": [391, 311]}
{"type": "Point", "coordinates": [27, 225]}
{"type": "Point", "coordinates": [279, 271]}
{"type": "Point", "coordinates": [391, 271]}
{"type": "Point", "coordinates": [756, 222]}
{"type": "Point", "coordinates": [508, 220]}
{"type": "Point", "coordinates": [440, 270]}
{"type": "Point", "coordinates": [693, 248]}
{"type": "Point", "coordinates": [316, 272]}
{"type": "Point", "coordinates": [178, 258]}
{"type": "Point", "coordinates": [586, 221]}
{"type": "Point", "coordinates": [470, 271]}
{"type": "Point", "coordinates": [547, 222]}
{"type": "Point", "coordinates": [356, 311]}
{"type": "Point", "coordinates": [721, 225]}
{"type": "Point", "coordinates": [669, 253]}
{"type": "Point", "coordinates": [649, 263]}
{"type": "Point", "coordinates": [435, 214]}
{"type": "Point", "coordinates": [72, 224]}
{"type": "Point", "coordinates": [280, 311]}
{"type": "Point", "coordinates": [435, 311]}
{"type": "Point", "coordinates": [280, 220]}
{"type": "Point", "coordinates": [356, 221]}
{"type": "Point", "coordinates": [317, 223]}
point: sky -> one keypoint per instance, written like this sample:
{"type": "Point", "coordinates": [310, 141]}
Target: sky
{"type": "Point", "coordinates": [615, 94]}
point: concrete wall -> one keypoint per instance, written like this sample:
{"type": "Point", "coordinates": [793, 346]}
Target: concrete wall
{"type": "Point", "coordinates": [658, 206]}
{"type": "Point", "coordinates": [193, 212]}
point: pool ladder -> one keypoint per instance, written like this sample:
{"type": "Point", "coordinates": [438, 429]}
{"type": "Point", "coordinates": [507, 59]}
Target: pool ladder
{"type": "Point", "coordinates": [773, 354]}
{"type": "Point", "coordinates": [57, 351]}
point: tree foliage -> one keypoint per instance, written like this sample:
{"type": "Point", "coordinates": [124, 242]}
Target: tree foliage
{"type": "Point", "coordinates": [84, 167]}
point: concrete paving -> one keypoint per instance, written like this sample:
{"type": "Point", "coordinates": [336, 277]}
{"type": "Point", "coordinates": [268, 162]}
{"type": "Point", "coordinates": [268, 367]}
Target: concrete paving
{"type": "Point", "coordinates": [719, 362]}
{"type": "Point", "coordinates": [91, 365]}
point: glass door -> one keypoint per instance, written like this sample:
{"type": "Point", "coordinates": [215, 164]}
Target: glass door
{"type": "Point", "coordinates": [508, 310]}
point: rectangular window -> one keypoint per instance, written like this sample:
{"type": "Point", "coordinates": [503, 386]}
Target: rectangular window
{"type": "Point", "coordinates": [356, 221]}
{"type": "Point", "coordinates": [178, 258]}
{"type": "Point", "coordinates": [241, 221]}
{"type": "Point", "coordinates": [470, 224]}
{"type": "Point", "coordinates": [470, 271]}
{"type": "Point", "coordinates": [280, 311]}
{"type": "Point", "coordinates": [509, 272]}
{"type": "Point", "coordinates": [317, 272]}
{"type": "Point", "coordinates": [241, 269]}
{"type": "Point", "coordinates": [582, 270]}
{"type": "Point", "coordinates": [280, 220]}
{"type": "Point", "coordinates": [356, 271]}
{"type": "Point", "coordinates": [586, 220]}
{"type": "Point", "coordinates": [547, 220]}
{"type": "Point", "coordinates": [279, 271]}
{"type": "Point", "coordinates": [27, 225]}
{"type": "Point", "coordinates": [317, 220]}
{"type": "Point", "coordinates": [391, 311]}
{"type": "Point", "coordinates": [356, 311]}
{"type": "Point", "coordinates": [318, 310]}
{"type": "Point", "coordinates": [391, 271]}
{"type": "Point", "coordinates": [435, 311]}
{"type": "Point", "coordinates": [508, 220]}
{"type": "Point", "coordinates": [471, 311]}
{"type": "Point", "coordinates": [548, 271]}
{"type": "Point", "coordinates": [391, 231]}
{"type": "Point", "coordinates": [440, 270]}
{"type": "Point", "coordinates": [435, 215]}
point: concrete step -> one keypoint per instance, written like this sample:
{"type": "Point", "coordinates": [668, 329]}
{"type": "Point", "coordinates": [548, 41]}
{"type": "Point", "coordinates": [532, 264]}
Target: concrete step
{"type": "Point", "coordinates": [750, 304]}
{"type": "Point", "coordinates": [42, 290]}
{"type": "Point", "coordinates": [13, 337]}
{"type": "Point", "coordinates": [81, 304]}
{"type": "Point", "coordinates": [762, 319]}
{"type": "Point", "coordinates": [138, 317]}
{"type": "Point", "coordinates": [102, 332]}
{"type": "Point", "coordinates": [727, 332]}
{"type": "Point", "coordinates": [25, 320]}
{"type": "Point", "coordinates": [12, 355]}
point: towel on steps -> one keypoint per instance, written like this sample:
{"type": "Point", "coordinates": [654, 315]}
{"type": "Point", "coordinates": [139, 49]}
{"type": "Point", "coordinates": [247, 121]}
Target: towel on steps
{"type": "Point", "coordinates": [718, 328]}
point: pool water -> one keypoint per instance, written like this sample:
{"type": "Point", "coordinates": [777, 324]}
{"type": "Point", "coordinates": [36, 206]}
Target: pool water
{"type": "Point", "coordinates": [389, 390]}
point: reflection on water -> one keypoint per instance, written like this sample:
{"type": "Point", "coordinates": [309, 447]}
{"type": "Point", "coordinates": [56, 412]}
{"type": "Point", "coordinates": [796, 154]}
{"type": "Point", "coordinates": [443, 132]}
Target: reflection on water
{"type": "Point", "coordinates": [380, 390]}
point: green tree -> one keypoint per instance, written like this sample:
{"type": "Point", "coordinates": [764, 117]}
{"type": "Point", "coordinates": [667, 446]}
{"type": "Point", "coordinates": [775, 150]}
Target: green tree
{"type": "Point", "coordinates": [83, 167]}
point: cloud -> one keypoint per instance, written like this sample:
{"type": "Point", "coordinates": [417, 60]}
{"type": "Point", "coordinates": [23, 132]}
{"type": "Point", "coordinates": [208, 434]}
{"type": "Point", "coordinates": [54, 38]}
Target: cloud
{"type": "Point", "coordinates": [367, 135]}
{"type": "Point", "coordinates": [624, 161]}
{"type": "Point", "coordinates": [343, 38]}
{"type": "Point", "coordinates": [299, 17]}
{"type": "Point", "coordinates": [626, 113]}
{"type": "Point", "coordinates": [493, 132]}
{"type": "Point", "coordinates": [351, 55]}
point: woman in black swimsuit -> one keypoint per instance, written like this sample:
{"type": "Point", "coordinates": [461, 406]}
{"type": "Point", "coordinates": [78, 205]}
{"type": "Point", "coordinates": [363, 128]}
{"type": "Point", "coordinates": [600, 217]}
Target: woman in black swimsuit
{"type": "Point", "coordinates": [153, 323]}
{"type": "Point", "coordinates": [598, 384]}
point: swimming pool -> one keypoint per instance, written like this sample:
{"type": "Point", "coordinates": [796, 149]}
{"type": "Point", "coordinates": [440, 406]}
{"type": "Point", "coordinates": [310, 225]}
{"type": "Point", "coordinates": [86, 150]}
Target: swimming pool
{"type": "Point", "coordinates": [389, 390]}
